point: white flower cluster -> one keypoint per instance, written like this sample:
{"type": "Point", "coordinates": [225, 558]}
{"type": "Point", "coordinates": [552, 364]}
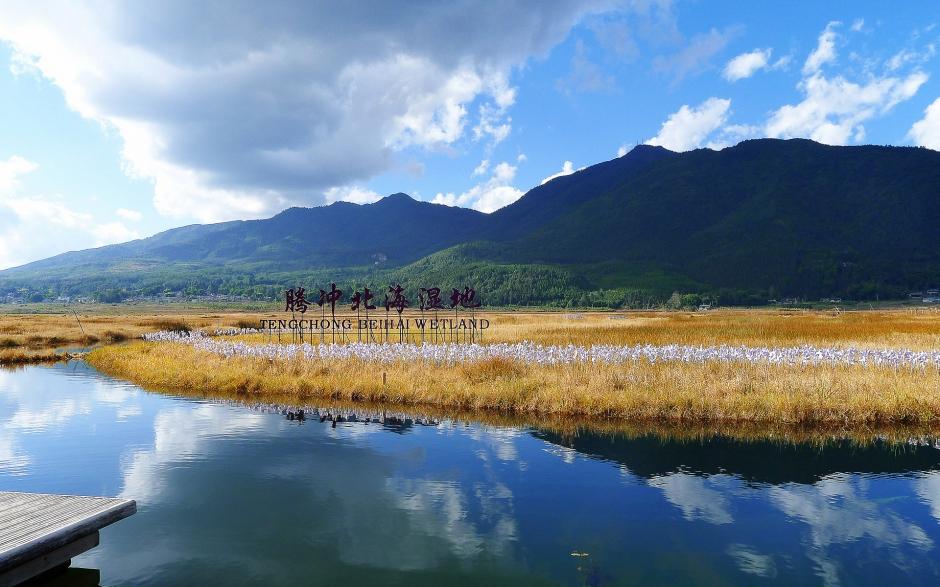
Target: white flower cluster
{"type": "Point", "coordinates": [531, 353]}
{"type": "Point", "coordinates": [232, 331]}
{"type": "Point", "coordinates": [179, 336]}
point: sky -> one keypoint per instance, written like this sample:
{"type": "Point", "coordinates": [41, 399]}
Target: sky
{"type": "Point", "coordinates": [122, 119]}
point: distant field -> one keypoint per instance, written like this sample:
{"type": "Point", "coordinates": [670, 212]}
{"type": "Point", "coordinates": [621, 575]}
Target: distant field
{"type": "Point", "coordinates": [913, 328]}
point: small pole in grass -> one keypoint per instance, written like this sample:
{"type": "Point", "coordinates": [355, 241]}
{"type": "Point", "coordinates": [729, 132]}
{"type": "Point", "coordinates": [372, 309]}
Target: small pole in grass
{"type": "Point", "coordinates": [84, 336]}
{"type": "Point", "coordinates": [384, 379]}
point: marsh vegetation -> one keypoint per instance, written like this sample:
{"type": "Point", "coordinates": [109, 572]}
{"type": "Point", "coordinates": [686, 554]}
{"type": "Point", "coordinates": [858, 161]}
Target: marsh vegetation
{"type": "Point", "coordinates": [799, 394]}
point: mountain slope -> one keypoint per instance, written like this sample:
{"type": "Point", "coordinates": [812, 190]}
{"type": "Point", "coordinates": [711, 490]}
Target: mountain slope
{"type": "Point", "coordinates": [765, 218]}
{"type": "Point", "coordinates": [804, 218]}
{"type": "Point", "coordinates": [396, 230]}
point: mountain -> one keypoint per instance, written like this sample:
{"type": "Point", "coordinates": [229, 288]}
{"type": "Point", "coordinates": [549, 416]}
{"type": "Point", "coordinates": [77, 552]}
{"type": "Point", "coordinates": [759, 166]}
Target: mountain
{"type": "Point", "coordinates": [396, 229]}
{"type": "Point", "coordinates": [803, 218]}
{"type": "Point", "coordinates": [765, 218]}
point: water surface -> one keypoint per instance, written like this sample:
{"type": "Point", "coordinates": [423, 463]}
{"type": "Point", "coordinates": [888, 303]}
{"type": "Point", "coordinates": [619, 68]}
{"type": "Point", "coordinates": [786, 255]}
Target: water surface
{"type": "Point", "coordinates": [231, 495]}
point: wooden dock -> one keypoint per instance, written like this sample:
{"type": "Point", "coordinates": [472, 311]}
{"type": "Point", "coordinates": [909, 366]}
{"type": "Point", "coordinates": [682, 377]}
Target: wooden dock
{"type": "Point", "coordinates": [41, 532]}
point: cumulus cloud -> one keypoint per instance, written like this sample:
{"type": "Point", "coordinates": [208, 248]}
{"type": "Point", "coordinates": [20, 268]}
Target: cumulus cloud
{"type": "Point", "coordinates": [747, 64]}
{"type": "Point", "coordinates": [23, 216]}
{"type": "Point", "coordinates": [239, 109]}
{"type": "Point", "coordinates": [487, 196]}
{"type": "Point", "coordinates": [825, 51]}
{"type": "Point", "coordinates": [926, 131]}
{"type": "Point", "coordinates": [689, 127]}
{"type": "Point", "coordinates": [733, 134]}
{"type": "Point", "coordinates": [567, 168]}
{"type": "Point", "coordinates": [833, 110]}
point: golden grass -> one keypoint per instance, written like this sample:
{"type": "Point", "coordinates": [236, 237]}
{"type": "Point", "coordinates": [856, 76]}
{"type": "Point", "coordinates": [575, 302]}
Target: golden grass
{"type": "Point", "coordinates": [669, 392]}
{"type": "Point", "coordinates": [25, 357]}
{"type": "Point", "coordinates": [666, 392]}
{"type": "Point", "coordinates": [571, 426]}
{"type": "Point", "coordinates": [30, 333]}
{"type": "Point", "coordinates": [911, 329]}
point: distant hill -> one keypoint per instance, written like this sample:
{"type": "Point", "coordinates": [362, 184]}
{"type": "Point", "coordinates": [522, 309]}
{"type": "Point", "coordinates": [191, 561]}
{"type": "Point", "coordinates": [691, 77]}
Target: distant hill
{"type": "Point", "coordinates": [763, 219]}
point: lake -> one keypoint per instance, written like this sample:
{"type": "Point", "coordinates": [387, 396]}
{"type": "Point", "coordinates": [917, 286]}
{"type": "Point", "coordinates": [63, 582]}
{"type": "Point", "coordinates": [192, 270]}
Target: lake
{"type": "Point", "coordinates": [237, 495]}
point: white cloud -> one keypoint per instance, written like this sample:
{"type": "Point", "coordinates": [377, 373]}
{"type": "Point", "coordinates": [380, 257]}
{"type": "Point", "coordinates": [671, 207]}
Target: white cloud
{"type": "Point", "coordinates": [12, 170]}
{"type": "Point", "coordinates": [290, 99]}
{"type": "Point", "coordinates": [23, 216]}
{"type": "Point", "coordinates": [699, 498]}
{"type": "Point", "coordinates": [746, 64]}
{"type": "Point", "coordinates": [926, 131]}
{"type": "Point", "coordinates": [493, 121]}
{"type": "Point", "coordinates": [825, 51]}
{"type": "Point", "coordinates": [131, 215]}
{"type": "Point", "coordinates": [857, 25]}
{"type": "Point", "coordinates": [927, 488]}
{"type": "Point", "coordinates": [833, 110]}
{"type": "Point", "coordinates": [842, 509]}
{"type": "Point", "coordinates": [623, 150]}
{"type": "Point", "coordinates": [732, 135]}
{"type": "Point", "coordinates": [689, 127]}
{"type": "Point", "coordinates": [752, 562]}
{"type": "Point", "coordinates": [482, 168]}
{"type": "Point", "coordinates": [567, 168]}
{"type": "Point", "coordinates": [356, 195]}
{"type": "Point", "coordinates": [910, 56]}
{"type": "Point", "coordinates": [490, 195]}
{"type": "Point", "coordinates": [782, 63]}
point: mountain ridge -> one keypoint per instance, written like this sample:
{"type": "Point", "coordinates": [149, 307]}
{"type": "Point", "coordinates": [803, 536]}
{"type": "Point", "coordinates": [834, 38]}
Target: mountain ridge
{"type": "Point", "coordinates": [764, 218]}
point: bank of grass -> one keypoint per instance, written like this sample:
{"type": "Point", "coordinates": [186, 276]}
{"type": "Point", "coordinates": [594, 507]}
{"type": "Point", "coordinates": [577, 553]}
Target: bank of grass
{"type": "Point", "coordinates": [665, 392]}
{"type": "Point", "coordinates": [16, 356]}
{"type": "Point", "coordinates": [30, 337]}
{"type": "Point", "coordinates": [642, 391]}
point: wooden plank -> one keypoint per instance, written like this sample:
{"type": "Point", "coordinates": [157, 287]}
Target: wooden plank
{"type": "Point", "coordinates": [33, 525]}
{"type": "Point", "coordinates": [58, 558]}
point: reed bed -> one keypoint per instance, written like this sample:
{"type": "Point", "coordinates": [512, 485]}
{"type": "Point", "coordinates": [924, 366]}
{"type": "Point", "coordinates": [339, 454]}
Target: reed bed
{"type": "Point", "coordinates": [18, 356]}
{"type": "Point", "coordinates": [912, 328]}
{"type": "Point", "coordinates": [729, 367]}
{"type": "Point", "coordinates": [571, 426]}
{"type": "Point", "coordinates": [31, 334]}
{"type": "Point", "coordinates": [634, 388]}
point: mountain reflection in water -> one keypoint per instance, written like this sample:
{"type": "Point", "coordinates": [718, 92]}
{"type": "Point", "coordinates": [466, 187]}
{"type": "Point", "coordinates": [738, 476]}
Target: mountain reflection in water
{"type": "Point", "coordinates": [234, 495]}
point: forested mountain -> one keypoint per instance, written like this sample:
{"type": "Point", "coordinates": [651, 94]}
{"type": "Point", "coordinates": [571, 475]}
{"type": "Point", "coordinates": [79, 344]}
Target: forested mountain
{"type": "Point", "coordinates": [764, 219]}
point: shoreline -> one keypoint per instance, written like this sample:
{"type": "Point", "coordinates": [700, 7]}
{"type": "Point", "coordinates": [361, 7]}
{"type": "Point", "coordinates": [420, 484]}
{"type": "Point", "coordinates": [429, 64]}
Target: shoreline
{"type": "Point", "coordinates": [574, 426]}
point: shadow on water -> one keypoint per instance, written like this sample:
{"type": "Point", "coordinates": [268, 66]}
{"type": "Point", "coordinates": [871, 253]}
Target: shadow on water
{"type": "Point", "coordinates": [755, 455]}
{"type": "Point", "coordinates": [754, 461]}
{"type": "Point", "coordinates": [71, 577]}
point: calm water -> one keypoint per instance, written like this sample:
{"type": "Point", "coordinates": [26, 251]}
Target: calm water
{"type": "Point", "coordinates": [229, 495]}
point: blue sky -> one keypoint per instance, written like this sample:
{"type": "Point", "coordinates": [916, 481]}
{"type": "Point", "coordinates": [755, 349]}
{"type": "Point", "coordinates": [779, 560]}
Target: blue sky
{"type": "Point", "coordinates": [121, 120]}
